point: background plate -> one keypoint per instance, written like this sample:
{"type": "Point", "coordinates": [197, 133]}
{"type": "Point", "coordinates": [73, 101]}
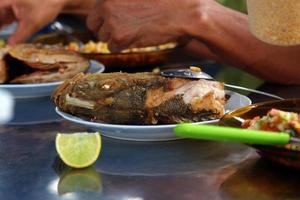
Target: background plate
{"type": "Point", "coordinates": [22, 91]}
{"type": "Point", "coordinates": [112, 61]}
{"type": "Point", "coordinates": [150, 132]}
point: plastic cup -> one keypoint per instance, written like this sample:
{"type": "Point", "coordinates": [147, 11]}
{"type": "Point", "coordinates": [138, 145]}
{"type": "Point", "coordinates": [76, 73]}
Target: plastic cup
{"type": "Point", "coordinates": [275, 21]}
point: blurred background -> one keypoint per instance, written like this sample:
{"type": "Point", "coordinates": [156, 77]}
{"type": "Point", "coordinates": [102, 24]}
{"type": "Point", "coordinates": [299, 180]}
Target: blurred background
{"type": "Point", "coordinates": [239, 5]}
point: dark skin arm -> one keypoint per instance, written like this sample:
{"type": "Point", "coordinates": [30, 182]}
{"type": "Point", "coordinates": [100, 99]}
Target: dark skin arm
{"type": "Point", "coordinates": [211, 29]}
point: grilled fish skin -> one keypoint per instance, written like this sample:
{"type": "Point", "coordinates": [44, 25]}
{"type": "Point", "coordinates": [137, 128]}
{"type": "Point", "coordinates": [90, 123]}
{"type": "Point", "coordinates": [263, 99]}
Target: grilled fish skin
{"type": "Point", "coordinates": [140, 98]}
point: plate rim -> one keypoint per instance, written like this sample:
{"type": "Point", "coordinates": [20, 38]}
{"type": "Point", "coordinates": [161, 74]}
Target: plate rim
{"type": "Point", "coordinates": [40, 90]}
{"type": "Point", "coordinates": [50, 84]}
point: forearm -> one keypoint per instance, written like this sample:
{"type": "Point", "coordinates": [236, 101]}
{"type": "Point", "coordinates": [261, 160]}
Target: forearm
{"type": "Point", "coordinates": [226, 33]}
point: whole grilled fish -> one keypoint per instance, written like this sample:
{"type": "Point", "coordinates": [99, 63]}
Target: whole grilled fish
{"type": "Point", "coordinates": [140, 98]}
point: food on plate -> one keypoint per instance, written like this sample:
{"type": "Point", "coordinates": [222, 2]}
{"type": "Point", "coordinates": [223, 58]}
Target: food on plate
{"type": "Point", "coordinates": [140, 98]}
{"type": "Point", "coordinates": [28, 63]}
{"type": "Point", "coordinates": [3, 65]}
{"type": "Point", "coordinates": [276, 121]}
{"type": "Point", "coordinates": [102, 47]}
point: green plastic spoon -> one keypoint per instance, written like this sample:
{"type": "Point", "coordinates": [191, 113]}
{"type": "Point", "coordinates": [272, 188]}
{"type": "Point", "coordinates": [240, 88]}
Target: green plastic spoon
{"type": "Point", "coordinates": [221, 133]}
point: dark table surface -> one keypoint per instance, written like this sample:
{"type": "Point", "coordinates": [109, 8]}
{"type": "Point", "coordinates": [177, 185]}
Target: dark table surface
{"type": "Point", "coordinates": [181, 169]}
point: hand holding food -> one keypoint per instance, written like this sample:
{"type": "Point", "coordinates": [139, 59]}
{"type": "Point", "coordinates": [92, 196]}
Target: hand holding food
{"type": "Point", "coordinates": [32, 15]}
{"type": "Point", "coordinates": [211, 30]}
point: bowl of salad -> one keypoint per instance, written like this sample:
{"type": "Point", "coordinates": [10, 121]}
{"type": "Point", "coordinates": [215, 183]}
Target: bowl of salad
{"type": "Point", "coordinates": [276, 116]}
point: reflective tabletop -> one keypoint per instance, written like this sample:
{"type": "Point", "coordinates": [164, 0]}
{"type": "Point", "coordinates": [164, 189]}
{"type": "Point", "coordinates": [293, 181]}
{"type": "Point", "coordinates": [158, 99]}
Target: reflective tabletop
{"type": "Point", "coordinates": [179, 169]}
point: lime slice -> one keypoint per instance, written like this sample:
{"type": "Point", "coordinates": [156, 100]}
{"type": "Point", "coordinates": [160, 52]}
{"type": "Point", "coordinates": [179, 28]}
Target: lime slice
{"type": "Point", "coordinates": [78, 150]}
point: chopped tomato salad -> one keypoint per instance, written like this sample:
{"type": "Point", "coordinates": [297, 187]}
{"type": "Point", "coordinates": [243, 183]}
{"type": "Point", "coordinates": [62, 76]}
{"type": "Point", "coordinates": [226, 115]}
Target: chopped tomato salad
{"type": "Point", "coordinates": [276, 121]}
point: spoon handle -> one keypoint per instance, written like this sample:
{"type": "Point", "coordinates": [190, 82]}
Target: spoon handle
{"type": "Point", "coordinates": [209, 132]}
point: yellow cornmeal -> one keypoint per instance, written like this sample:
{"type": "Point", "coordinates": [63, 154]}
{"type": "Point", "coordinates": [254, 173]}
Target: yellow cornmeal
{"type": "Point", "coordinates": [275, 21]}
{"type": "Point", "coordinates": [101, 47]}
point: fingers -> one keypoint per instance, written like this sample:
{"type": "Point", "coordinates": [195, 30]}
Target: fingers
{"type": "Point", "coordinates": [201, 50]}
{"type": "Point", "coordinates": [30, 22]}
{"type": "Point", "coordinates": [95, 20]}
{"type": "Point", "coordinates": [24, 30]}
{"type": "Point", "coordinates": [129, 37]}
{"type": "Point", "coordinates": [122, 25]}
{"type": "Point", "coordinates": [104, 33]}
{"type": "Point", "coordinates": [114, 46]}
{"type": "Point", "coordinates": [121, 37]}
{"type": "Point", "coordinates": [6, 3]}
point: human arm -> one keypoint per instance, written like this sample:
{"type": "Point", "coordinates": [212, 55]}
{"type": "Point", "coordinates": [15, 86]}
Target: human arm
{"type": "Point", "coordinates": [227, 35]}
{"type": "Point", "coordinates": [213, 30]}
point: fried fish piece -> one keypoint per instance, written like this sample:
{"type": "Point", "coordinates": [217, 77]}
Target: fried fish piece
{"type": "Point", "coordinates": [44, 57]}
{"type": "Point", "coordinates": [140, 98]}
{"type": "Point", "coordinates": [3, 66]}
{"type": "Point", "coordinates": [48, 63]}
{"type": "Point", "coordinates": [68, 71]}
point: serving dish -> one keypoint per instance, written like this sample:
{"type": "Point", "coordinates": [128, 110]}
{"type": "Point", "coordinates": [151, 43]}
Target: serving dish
{"type": "Point", "coordinates": [22, 91]}
{"type": "Point", "coordinates": [110, 60]}
{"type": "Point", "coordinates": [150, 132]}
{"type": "Point", "coordinates": [286, 157]}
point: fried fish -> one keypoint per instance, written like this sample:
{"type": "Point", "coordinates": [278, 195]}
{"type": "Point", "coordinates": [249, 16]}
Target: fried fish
{"type": "Point", "coordinates": [140, 98]}
{"type": "Point", "coordinates": [46, 63]}
{"type": "Point", "coordinates": [3, 66]}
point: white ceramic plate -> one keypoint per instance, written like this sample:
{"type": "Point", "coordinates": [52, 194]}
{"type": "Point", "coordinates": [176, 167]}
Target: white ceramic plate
{"type": "Point", "coordinates": [22, 91]}
{"type": "Point", "coordinates": [6, 107]}
{"type": "Point", "coordinates": [149, 132]}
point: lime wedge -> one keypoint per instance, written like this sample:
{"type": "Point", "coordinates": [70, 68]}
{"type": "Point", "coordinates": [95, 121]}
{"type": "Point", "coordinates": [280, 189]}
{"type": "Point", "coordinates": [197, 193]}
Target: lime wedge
{"type": "Point", "coordinates": [78, 150]}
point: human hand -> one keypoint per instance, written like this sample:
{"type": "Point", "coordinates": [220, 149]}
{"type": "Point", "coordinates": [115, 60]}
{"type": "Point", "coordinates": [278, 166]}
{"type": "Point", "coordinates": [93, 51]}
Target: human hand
{"type": "Point", "coordinates": [134, 23]}
{"type": "Point", "coordinates": [32, 15]}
